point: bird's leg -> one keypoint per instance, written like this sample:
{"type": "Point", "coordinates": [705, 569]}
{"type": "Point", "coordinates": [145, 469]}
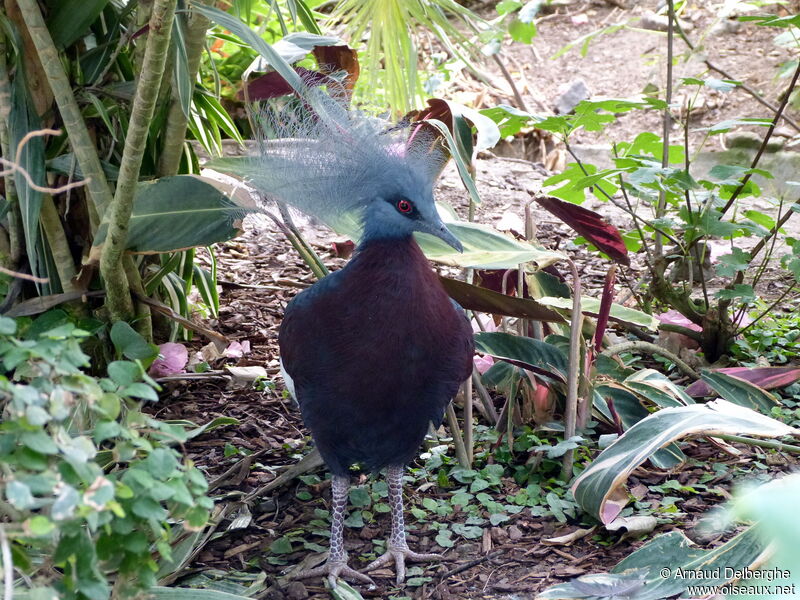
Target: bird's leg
{"type": "Point", "coordinates": [336, 565]}
{"type": "Point", "coordinates": [398, 550]}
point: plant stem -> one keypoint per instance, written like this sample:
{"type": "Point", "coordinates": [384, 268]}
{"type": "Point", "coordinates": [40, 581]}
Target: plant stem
{"type": "Point", "coordinates": [764, 142]}
{"type": "Point", "coordinates": [175, 128]}
{"type": "Point", "coordinates": [458, 441]}
{"type": "Point", "coordinates": [510, 80]}
{"type": "Point", "coordinates": [574, 374]}
{"type": "Point", "coordinates": [756, 96]}
{"type": "Point", "coordinates": [762, 443]}
{"type": "Point", "coordinates": [661, 207]}
{"type": "Point", "coordinates": [653, 349]}
{"type": "Point", "coordinates": [81, 142]}
{"type": "Point", "coordinates": [118, 299]}
{"type": "Point", "coordinates": [486, 400]}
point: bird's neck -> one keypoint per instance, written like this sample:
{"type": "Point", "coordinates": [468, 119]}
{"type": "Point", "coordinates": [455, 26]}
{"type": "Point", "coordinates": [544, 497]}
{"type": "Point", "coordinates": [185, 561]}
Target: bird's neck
{"type": "Point", "coordinates": [390, 253]}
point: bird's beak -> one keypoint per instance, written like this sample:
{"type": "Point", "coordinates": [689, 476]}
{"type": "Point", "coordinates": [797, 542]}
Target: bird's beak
{"type": "Point", "coordinates": [444, 234]}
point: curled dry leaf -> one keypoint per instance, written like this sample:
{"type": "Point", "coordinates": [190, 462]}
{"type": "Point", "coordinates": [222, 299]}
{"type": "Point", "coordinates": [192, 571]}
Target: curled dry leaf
{"type": "Point", "coordinates": [632, 527]}
{"type": "Point", "coordinates": [566, 540]}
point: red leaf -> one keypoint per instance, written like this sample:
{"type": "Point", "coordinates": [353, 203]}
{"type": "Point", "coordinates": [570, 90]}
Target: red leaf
{"type": "Point", "coordinates": [605, 307]}
{"type": "Point", "coordinates": [272, 85]}
{"type": "Point", "coordinates": [768, 378]}
{"type": "Point", "coordinates": [590, 225]}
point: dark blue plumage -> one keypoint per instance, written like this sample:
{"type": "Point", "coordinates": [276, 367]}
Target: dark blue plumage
{"type": "Point", "coordinates": [375, 351]}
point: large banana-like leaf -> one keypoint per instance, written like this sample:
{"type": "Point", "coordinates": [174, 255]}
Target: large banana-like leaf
{"type": "Point", "coordinates": [528, 353]}
{"type": "Point", "coordinates": [740, 391]}
{"type": "Point", "coordinates": [473, 297]}
{"type": "Point", "coordinates": [655, 570]}
{"type": "Point", "coordinates": [175, 213]}
{"type": "Point", "coordinates": [600, 489]}
{"type": "Point", "coordinates": [591, 306]}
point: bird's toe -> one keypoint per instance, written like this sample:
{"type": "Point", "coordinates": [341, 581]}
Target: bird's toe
{"type": "Point", "coordinates": [332, 570]}
{"type": "Point", "coordinates": [399, 555]}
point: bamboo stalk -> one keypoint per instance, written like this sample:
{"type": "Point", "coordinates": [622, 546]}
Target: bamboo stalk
{"type": "Point", "coordinates": [57, 240]}
{"type": "Point", "coordinates": [175, 128]}
{"type": "Point", "coordinates": [15, 234]}
{"type": "Point", "coordinates": [118, 298]}
{"type": "Point", "coordinates": [81, 142]}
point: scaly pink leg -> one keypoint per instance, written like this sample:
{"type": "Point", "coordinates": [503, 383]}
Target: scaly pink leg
{"type": "Point", "coordinates": [398, 550]}
{"type": "Point", "coordinates": [336, 565]}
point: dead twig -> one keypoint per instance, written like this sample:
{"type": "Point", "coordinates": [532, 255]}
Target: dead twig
{"type": "Point", "coordinates": [14, 167]}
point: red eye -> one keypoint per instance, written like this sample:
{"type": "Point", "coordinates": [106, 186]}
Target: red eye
{"type": "Point", "coordinates": [404, 206]}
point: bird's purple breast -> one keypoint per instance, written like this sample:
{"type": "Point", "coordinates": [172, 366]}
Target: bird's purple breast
{"type": "Point", "coordinates": [375, 351]}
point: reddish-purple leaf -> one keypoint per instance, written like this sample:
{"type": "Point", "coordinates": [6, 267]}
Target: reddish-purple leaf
{"type": "Point", "coordinates": [272, 85]}
{"type": "Point", "coordinates": [503, 281]}
{"type": "Point", "coordinates": [768, 378]}
{"type": "Point", "coordinates": [605, 307]}
{"type": "Point", "coordinates": [590, 225]}
{"type": "Point", "coordinates": [472, 297]}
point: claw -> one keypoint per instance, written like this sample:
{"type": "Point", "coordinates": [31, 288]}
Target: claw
{"type": "Point", "coordinates": [399, 554]}
{"type": "Point", "coordinates": [333, 569]}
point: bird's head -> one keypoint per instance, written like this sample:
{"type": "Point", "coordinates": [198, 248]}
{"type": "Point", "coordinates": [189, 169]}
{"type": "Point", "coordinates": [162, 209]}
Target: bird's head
{"type": "Point", "coordinates": [404, 207]}
{"type": "Point", "coordinates": [342, 166]}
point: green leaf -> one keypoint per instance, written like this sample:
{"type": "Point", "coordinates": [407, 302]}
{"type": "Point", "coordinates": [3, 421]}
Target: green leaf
{"type": "Point", "coordinates": [70, 20]}
{"type": "Point", "coordinates": [359, 497]}
{"type": "Point", "coordinates": [176, 213]}
{"type": "Point", "coordinates": [140, 390]}
{"type": "Point", "coordinates": [39, 526]}
{"type": "Point", "coordinates": [484, 247]}
{"type": "Point", "coordinates": [131, 344]}
{"type": "Point", "coordinates": [739, 290]}
{"type": "Point", "coordinates": [522, 32]}
{"type": "Point", "coordinates": [528, 353]}
{"type": "Point", "coordinates": [740, 391]}
{"type": "Point", "coordinates": [161, 463]}
{"type": "Point", "coordinates": [729, 264]}
{"type": "Point", "coordinates": [282, 545]}
{"type": "Point", "coordinates": [124, 373]}
{"type": "Point", "coordinates": [7, 326]}
{"type": "Point", "coordinates": [600, 489]}
{"type": "Point", "coordinates": [591, 306]}
{"type": "Point", "coordinates": [505, 7]}
{"type": "Point", "coordinates": [444, 538]}
{"type": "Point", "coordinates": [19, 495]}
{"type": "Point", "coordinates": [172, 593]}
{"type": "Point", "coordinates": [180, 64]}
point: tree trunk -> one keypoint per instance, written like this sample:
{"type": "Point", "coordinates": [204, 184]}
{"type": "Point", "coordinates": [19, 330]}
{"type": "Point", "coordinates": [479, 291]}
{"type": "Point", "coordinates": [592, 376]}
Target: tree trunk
{"type": "Point", "coordinates": [118, 297]}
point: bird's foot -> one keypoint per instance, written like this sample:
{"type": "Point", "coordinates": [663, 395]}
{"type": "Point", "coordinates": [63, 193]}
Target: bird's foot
{"type": "Point", "coordinates": [399, 554]}
{"type": "Point", "coordinates": [333, 569]}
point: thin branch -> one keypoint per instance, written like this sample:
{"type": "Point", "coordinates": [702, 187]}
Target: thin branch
{"type": "Point", "coordinates": [510, 80]}
{"type": "Point", "coordinates": [574, 374]}
{"type": "Point", "coordinates": [765, 141]}
{"type": "Point", "coordinates": [661, 207]}
{"type": "Point", "coordinates": [653, 349]}
{"type": "Point", "coordinates": [754, 93]}
{"type": "Point", "coordinates": [24, 276]}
